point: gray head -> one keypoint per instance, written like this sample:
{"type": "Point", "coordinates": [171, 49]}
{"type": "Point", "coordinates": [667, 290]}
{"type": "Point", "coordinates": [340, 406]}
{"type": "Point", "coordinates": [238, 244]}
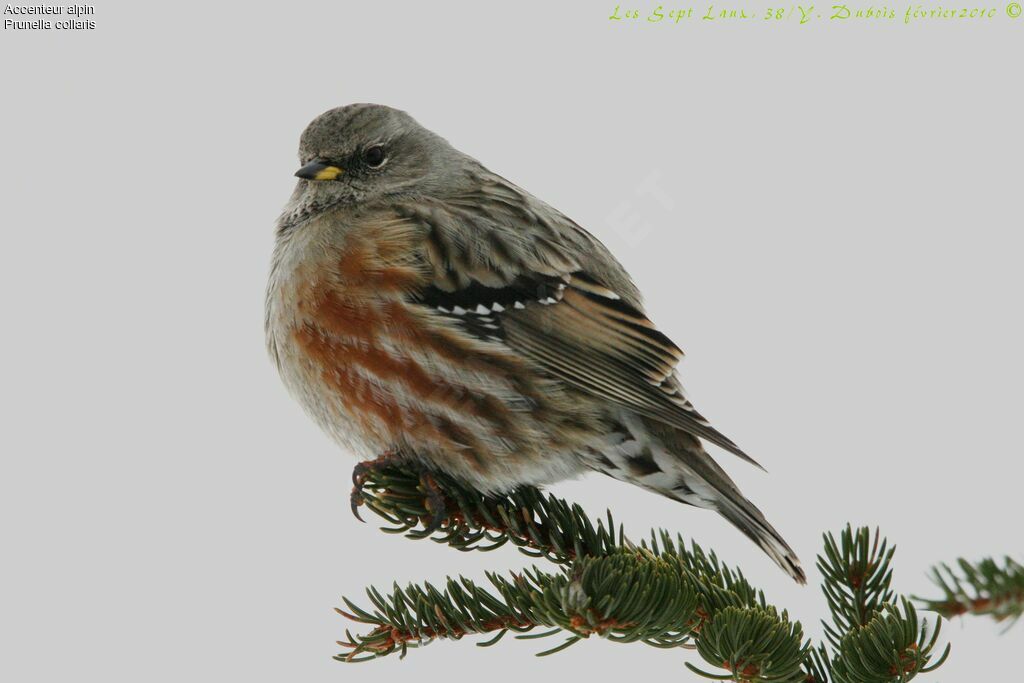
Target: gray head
{"type": "Point", "coordinates": [365, 152]}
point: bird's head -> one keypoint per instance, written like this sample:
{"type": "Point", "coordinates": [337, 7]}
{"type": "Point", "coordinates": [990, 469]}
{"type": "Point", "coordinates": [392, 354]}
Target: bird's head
{"type": "Point", "coordinates": [361, 153]}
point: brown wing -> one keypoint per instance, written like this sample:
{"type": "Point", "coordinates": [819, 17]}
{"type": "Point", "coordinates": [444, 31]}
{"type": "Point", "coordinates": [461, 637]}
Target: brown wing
{"type": "Point", "coordinates": [582, 333]}
{"type": "Point", "coordinates": [512, 269]}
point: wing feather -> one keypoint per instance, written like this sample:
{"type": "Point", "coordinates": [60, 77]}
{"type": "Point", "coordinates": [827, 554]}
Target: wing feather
{"type": "Point", "coordinates": [551, 292]}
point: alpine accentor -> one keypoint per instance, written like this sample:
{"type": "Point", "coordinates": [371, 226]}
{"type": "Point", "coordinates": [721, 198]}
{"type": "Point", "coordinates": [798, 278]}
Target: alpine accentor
{"type": "Point", "coordinates": [421, 305]}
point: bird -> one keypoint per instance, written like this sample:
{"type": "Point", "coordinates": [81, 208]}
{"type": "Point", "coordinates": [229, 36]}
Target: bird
{"type": "Point", "coordinates": [424, 308]}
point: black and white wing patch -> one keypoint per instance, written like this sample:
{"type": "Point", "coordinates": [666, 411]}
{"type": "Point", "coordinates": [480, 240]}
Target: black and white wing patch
{"type": "Point", "coordinates": [482, 310]}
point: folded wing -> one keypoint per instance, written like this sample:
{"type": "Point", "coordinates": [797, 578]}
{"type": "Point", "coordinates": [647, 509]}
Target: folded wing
{"type": "Point", "coordinates": [516, 280]}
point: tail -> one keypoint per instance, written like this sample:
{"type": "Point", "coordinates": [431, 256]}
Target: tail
{"type": "Point", "coordinates": [748, 519]}
{"type": "Point", "coordinates": [675, 465]}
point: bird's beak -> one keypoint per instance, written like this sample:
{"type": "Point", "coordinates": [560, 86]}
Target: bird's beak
{"type": "Point", "coordinates": [318, 169]}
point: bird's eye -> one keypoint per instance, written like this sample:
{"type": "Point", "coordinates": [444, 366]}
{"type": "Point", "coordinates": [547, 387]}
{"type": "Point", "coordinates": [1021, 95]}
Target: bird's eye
{"type": "Point", "coordinates": [374, 156]}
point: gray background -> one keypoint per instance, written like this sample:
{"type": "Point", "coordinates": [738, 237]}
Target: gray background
{"type": "Point", "coordinates": [838, 255]}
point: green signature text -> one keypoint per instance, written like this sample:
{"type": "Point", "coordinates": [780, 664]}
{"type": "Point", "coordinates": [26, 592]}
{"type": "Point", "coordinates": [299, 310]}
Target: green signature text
{"type": "Point", "coordinates": [806, 14]}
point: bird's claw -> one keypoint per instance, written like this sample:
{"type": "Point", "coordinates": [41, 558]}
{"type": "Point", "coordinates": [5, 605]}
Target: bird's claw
{"type": "Point", "coordinates": [355, 500]}
{"type": "Point", "coordinates": [365, 467]}
{"type": "Point", "coordinates": [434, 503]}
{"type": "Point", "coordinates": [359, 476]}
{"type": "Point", "coordinates": [434, 499]}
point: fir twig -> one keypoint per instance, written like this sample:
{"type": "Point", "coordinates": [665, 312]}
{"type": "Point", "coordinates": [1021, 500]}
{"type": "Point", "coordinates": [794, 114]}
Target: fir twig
{"type": "Point", "coordinates": [662, 591]}
{"type": "Point", "coordinates": [985, 588]}
{"type": "Point", "coordinates": [857, 579]}
{"type": "Point", "coordinates": [874, 639]}
{"type": "Point", "coordinates": [539, 525]}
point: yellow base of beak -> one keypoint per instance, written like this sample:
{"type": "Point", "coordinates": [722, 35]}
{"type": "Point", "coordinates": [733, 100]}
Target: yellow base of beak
{"type": "Point", "coordinates": [319, 169]}
{"type": "Point", "coordinates": [329, 173]}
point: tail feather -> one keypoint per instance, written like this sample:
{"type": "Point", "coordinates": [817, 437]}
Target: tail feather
{"type": "Point", "coordinates": [675, 465]}
{"type": "Point", "coordinates": [748, 519]}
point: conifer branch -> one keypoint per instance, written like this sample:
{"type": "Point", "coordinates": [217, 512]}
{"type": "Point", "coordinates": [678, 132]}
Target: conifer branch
{"type": "Point", "coordinates": [986, 588]}
{"type": "Point", "coordinates": [660, 591]}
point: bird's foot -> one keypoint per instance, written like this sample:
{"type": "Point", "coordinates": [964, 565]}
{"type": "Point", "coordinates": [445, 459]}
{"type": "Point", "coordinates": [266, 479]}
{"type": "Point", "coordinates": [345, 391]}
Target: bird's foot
{"type": "Point", "coordinates": [434, 499]}
{"type": "Point", "coordinates": [360, 473]}
{"type": "Point", "coordinates": [388, 458]}
{"type": "Point", "coordinates": [434, 502]}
